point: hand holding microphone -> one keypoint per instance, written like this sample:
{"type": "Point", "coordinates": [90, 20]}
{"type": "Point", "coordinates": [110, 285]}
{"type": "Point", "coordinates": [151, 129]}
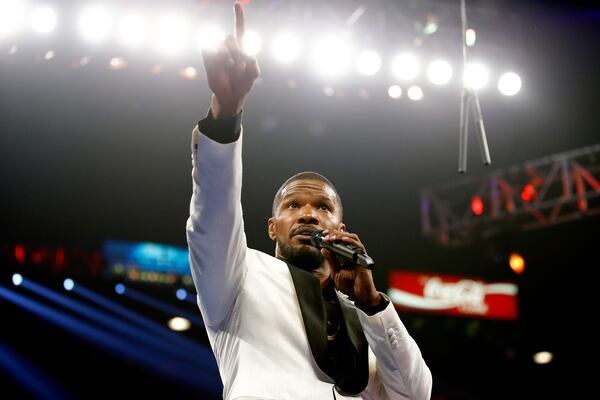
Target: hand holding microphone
{"type": "Point", "coordinates": [345, 251]}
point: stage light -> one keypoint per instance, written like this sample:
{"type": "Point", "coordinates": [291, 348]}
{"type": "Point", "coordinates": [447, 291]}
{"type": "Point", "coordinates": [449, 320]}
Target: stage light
{"type": "Point", "coordinates": [439, 72]}
{"type": "Point", "coordinates": [430, 28]}
{"type": "Point", "coordinates": [17, 279]}
{"type": "Point", "coordinates": [252, 43]}
{"type": "Point", "coordinates": [368, 62]}
{"type": "Point", "coordinates": [12, 14]}
{"type": "Point", "coordinates": [133, 30]}
{"type": "Point", "coordinates": [209, 37]}
{"type": "Point", "coordinates": [119, 288]}
{"type": "Point", "coordinates": [285, 47]}
{"type": "Point", "coordinates": [117, 63]}
{"type": "Point", "coordinates": [179, 324]}
{"type": "Point", "coordinates": [95, 24]}
{"type": "Point", "coordinates": [529, 193]}
{"type": "Point", "coordinates": [415, 93]}
{"type": "Point", "coordinates": [171, 34]}
{"type": "Point", "coordinates": [405, 67]}
{"type": "Point", "coordinates": [331, 57]}
{"type": "Point", "coordinates": [20, 255]}
{"type": "Point", "coordinates": [181, 294]}
{"type": "Point", "coordinates": [471, 37]}
{"type": "Point", "coordinates": [43, 19]}
{"type": "Point", "coordinates": [189, 73]}
{"type": "Point", "coordinates": [476, 76]}
{"type": "Point", "coordinates": [395, 92]}
{"type": "Point", "coordinates": [477, 205]}
{"type": "Point", "coordinates": [543, 357]}
{"type": "Point", "coordinates": [68, 284]}
{"type": "Point", "coordinates": [49, 55]}
{"type": "Point", "coordinates": [509, 84]}
{"type": "Point", "coordinates": [516, 263]}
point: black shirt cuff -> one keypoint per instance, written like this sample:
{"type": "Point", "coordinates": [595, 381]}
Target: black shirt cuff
{"type": "Point", "coordinates": [222, 130]}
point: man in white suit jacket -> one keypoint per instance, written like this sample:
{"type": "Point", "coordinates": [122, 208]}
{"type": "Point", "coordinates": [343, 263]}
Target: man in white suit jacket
{"type": "Point", "coordinates": [298, 325]}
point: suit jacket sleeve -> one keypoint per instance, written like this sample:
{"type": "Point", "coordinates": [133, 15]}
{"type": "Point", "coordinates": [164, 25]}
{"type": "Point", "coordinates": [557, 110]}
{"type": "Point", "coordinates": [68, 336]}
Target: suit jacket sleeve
{"type": "Point", "coordinates": [215, 228]}
{"type": "Point", "coordinates": [400, 371]}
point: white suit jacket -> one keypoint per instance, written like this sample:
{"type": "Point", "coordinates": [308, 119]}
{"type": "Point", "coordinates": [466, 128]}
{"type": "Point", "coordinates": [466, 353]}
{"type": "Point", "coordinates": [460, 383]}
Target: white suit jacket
{"type": "Point", "coordinates": [251, 310]}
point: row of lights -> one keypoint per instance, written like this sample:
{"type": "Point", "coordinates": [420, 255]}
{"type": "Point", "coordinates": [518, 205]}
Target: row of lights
{"type": "Point", "coordinates": [331, 58]}
{"type": "Point", "coordinates": [182, 324]}
{"type": "Point", "coordinates": [178, 324]}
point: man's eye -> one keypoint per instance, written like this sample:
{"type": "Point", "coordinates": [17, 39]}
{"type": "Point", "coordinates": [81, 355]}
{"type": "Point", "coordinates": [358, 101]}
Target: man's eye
{"type": "Point", "coordinates": [325, 207]}
{"type": "Point", "coordinates": [293, 205]}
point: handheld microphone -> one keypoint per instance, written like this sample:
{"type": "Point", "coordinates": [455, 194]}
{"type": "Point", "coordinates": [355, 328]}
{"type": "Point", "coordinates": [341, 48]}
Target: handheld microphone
{"type": "Point", "coordinates": [345, 251]}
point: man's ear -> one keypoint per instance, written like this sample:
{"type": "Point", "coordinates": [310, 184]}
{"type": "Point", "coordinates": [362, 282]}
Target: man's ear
{"type": "Point", "coordinates": [342, 227]}
{"type": "Point", "coordinates": [272, 230]}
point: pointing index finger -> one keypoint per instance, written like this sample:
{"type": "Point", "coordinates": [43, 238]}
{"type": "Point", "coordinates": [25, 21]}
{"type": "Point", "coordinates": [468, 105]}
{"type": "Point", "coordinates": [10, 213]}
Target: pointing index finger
{"type": "Point", "coordinates": [240, 23]}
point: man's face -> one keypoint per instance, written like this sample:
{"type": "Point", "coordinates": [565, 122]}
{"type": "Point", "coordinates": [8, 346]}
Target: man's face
{"type": "Point", "coordinates": [306, 205]}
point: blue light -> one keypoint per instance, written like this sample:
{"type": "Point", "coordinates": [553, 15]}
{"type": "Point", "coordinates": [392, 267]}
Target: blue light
{"type": "Point", "coordinates": [69, 284]}
{"type": "Point", "coordinates": [120, 288]}
{"type": "Point", "coordinates": [181, 294]}
{"type": "Point", "coordinates": [17, 279]}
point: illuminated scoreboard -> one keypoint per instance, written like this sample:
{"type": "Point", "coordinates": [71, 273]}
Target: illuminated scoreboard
{"type": "Point", "coordinates": [147, 262]}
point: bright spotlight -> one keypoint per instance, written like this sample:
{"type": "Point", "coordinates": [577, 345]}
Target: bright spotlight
{"type": "Point", "coordinates": [368, 62]}
{"type": "Point", "coordinates": [117, 63]}
{"type": "Point", "coordinates": [68, 284]}
{"type": "Point", "coordinates": [179, 324]}
{"type": "Point", "coordinates": [395, 92]}
{"type": "Point", "coordinates": [542, 357]}
{"type": "Point", "coordinates": [181, 294]}
{"type": "Point", "coordinates": [405, 67]}
{"type": "Point", "coordinates": [17, 279]}
{"type": "Point", "coordinates": [133, 30]}
{"type": "Point", "coordinates": [252, 43]}
{"type": "Point", "coordinates": [509, 84]}
{"type": "Point", "coordinates": [210, 37]}
{"type": "Point", "coordinates": [120, 288]}
{"type": "Point", "coordinates": [12, 14]}
{"type": "Point", "coordinates": [415, 93]}
{"type": "Point", "coordinates": [171, 34]}
{"type": "Point", "coordinates": [95, 24]}
{"type": "Point", "coordinates": [517, 263]}
{"type": "Point", "coordinates": [331, 57]}
{"type": "Point", "coordinates": [285, 47]}
{"type": "Point", "coordinates": [43, 19]}
{"type": "Point", "coordinates": [439, 72]}
{"type": "Point", "coordinates": [476, 76]}
{"type": "Point", "coordinates": [470, 37]}
{"type": "Point", "coordinates": [189, 73]}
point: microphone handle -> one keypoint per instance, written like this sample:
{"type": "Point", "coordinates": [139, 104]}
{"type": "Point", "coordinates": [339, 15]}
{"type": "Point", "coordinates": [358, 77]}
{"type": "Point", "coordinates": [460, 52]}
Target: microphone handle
{"type": "Point", "coordinates": [351, 253]}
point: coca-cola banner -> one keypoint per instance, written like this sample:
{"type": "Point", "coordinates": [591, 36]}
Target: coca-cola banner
{"type": "Point", "coordinates": [456, 295]}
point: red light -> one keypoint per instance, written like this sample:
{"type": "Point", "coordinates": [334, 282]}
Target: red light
{"type": "Point", "coordinates": [477, 205]}
{"type": "Point", "coordinates": [529, 193]}
{"type": "Point", "coordinates": [20, 253]}
{"type": "Point", "coordinates": [60, 257]}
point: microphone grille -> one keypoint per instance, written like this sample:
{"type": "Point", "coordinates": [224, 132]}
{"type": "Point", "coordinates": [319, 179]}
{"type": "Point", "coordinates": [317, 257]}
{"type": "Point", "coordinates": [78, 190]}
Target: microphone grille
{"type": "Point", "coordinates": [316, 238]}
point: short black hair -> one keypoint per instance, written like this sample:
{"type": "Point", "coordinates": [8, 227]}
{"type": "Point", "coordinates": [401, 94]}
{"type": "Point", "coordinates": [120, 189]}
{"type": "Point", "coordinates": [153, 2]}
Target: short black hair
{"type": "Point", "coordinates": [309, 175]}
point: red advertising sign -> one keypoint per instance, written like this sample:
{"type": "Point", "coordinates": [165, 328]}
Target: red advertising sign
{"type": "Point", "coordinates": [455, 295]}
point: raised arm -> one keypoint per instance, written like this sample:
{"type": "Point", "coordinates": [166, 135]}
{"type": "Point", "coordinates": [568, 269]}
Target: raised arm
{"type": "Point", "coordinates": [215, 228]}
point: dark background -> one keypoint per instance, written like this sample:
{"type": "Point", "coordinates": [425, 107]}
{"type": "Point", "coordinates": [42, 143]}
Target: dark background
{"type": "Point", "coordinates": [88, 154]}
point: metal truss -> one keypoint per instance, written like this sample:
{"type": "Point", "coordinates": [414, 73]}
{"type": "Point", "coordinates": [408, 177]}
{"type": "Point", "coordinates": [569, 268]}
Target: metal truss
{"type": "Point", "coordinates": [536, 194]}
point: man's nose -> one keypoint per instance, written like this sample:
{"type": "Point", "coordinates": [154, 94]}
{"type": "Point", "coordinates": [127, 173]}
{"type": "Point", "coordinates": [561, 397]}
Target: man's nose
{"type": "Point", "coordinates": [308, 216]}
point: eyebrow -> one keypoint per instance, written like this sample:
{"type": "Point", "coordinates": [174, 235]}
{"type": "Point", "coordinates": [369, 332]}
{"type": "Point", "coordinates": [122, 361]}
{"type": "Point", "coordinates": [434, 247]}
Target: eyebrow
{"type": "Point", "coordinates": [323, 199]}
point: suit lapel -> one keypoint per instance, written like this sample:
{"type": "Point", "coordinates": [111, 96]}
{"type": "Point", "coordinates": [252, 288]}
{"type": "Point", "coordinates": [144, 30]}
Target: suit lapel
{"type": "Point", "coordinates": [353, 326]}
{"type": "Point", "coordinates": [310, 298]}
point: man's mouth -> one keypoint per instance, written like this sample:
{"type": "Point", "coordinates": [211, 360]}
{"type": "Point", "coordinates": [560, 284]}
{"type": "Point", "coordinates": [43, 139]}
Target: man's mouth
{"type": "Point", "coordinates": [303, 234]}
